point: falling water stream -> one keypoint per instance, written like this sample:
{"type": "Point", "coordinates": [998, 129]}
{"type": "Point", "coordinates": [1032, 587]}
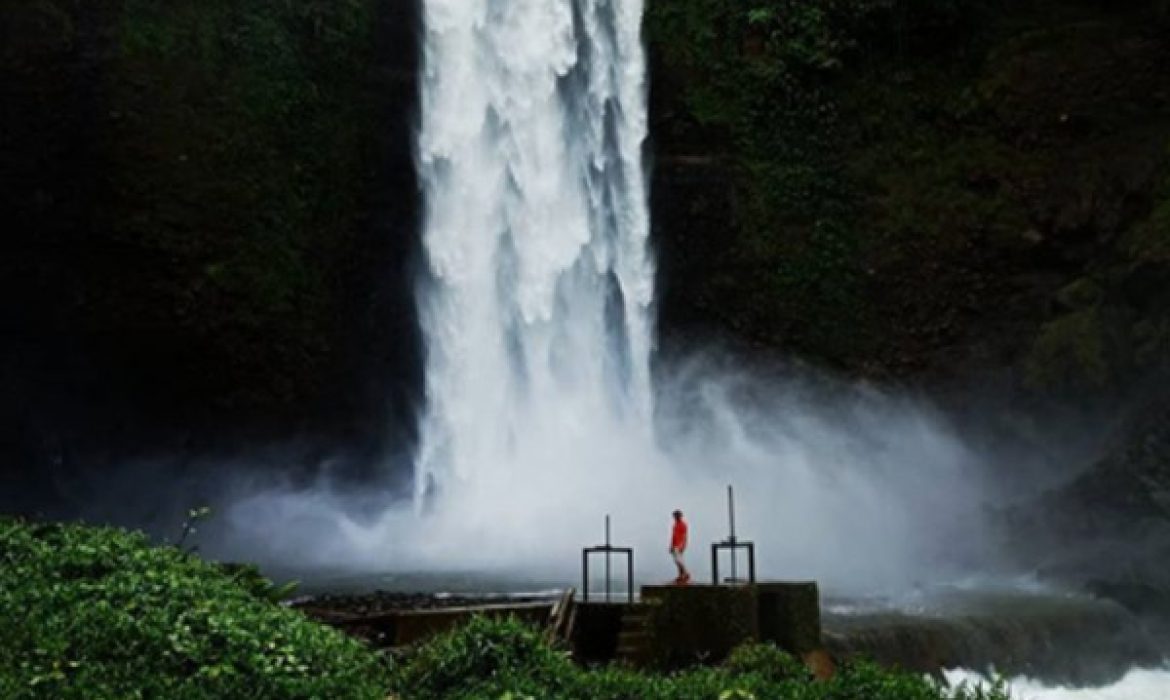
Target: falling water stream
{"type": "Point", "coordinates": [536, 304]}
{"type": "Point", "coordinates": [537, 311]}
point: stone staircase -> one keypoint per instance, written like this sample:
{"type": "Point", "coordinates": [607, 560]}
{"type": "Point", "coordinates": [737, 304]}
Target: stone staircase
{"type": "Point", "coordinates": [634, 640]}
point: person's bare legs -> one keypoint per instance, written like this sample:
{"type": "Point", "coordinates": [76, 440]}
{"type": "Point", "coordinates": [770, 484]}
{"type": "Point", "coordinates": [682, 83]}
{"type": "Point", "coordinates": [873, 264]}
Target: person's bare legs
{"type": "Point", "coordinates": [683, 575]}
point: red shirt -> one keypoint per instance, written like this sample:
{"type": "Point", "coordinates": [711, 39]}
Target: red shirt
{"type": "Point", "coordinates": [678, 538]}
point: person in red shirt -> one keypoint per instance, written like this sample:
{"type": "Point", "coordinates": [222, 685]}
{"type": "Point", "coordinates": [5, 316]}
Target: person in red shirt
{"type": "Point", "coordinates": [678, 545]}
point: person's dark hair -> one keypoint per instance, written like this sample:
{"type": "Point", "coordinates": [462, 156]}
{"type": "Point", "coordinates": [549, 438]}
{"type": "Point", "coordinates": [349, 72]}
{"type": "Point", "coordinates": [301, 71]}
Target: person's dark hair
{"type": "Point", "coordinates": [677, 513]}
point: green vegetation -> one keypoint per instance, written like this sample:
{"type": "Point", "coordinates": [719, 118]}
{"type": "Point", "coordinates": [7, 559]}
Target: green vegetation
{"type": "Point", "coordinates": [195, 174]}
{"type": "Point", "coordinates": [775, 79]}
{"type": "Point", "coordinates": [96, 613]}
{"type": "Point", "coordinates": [901, 186]}
{"type": "Point", "coordinates": [238, 137]}
{"type": "Point", "coordinates": [494, 659]}
{"type": "Point", "coordinates": [913, 180]}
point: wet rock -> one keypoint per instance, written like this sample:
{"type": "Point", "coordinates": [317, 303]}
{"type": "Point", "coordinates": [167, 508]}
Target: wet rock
{"type": "Point", "coordinates": [1108, 531]}
{"type": "Point", "coordinates": [1049, 637]}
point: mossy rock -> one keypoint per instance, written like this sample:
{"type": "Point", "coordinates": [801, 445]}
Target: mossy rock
{"type": "Point", "coordinates": [1071, 351]}
{"type": "Point", "coordinates": [1081, 294]}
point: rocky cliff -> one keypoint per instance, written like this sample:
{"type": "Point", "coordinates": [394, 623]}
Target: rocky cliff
{"type": "Point", "coordinates": [209, 224]}
{"type": "Point", "coordinates": [914, 189]}
{"type": "Point", "coordinates": [211, 211]}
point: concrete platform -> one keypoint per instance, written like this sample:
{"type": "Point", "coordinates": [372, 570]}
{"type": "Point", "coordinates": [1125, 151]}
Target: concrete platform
{"type": "Point", "coordinates": [790, 615]}
{"type": "Point", "coordinates": [700, 624]}
{"type": "Point", "coordinates": [678, 626]}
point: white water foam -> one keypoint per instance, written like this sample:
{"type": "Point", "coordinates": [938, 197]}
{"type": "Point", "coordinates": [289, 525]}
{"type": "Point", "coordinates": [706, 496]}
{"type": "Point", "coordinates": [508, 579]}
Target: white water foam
{"type": "Point", "coordinates": [541, 416]}
{"type": "Point", "coordinates": [537, 315]}
{"type": "Point", "coordinates": [1138, 684]}
{"type": "Point", "coordinates": [537, 312]}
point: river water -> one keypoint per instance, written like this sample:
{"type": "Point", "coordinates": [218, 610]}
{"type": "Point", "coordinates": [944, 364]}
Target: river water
{"type": "Point", "coordinates": [1138, 684]}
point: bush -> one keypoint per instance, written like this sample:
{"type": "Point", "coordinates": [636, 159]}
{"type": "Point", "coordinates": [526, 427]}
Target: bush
{"type": "Point", "coordinates": [768, 662]}
{"type": "Point", "coordinates": [507, 659]}
{"type": "Point", "coordinates": [99, 613]}
{"type": "Point", "coordinates": [487, 658]}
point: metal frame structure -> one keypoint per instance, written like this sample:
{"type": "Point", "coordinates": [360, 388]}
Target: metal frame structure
{"type": "Point", "coordinates": [733, 545]}
{"type": "Point", "coordinates": [608, 550]}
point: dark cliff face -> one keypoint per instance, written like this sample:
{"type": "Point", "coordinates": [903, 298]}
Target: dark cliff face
{"type": "Point", "coordinates": [928, 192]}
{"type": "Point", "coordinates": [211, 214]}
{"type": "Point", "coordinates": [210, 222]}
{"type": "Point", "coordinates": [1108, 529]}
{"type": "Point", "coordinates": [920, 190]}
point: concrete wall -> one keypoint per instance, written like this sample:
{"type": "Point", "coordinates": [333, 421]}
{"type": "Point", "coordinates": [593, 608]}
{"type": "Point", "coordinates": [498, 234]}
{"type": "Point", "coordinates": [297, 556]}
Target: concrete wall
{"type": "Point", "coordinates": [699, 624]}
{"type": "Point", "coordinates": [790, 616]}
{"type": "Point", "coordinates": [596, 631]}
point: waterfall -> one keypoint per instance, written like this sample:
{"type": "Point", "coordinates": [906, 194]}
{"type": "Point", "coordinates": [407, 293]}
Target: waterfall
{"type": "Point", "coordinates": [536, 307]}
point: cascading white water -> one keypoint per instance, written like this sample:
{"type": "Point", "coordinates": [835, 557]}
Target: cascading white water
{"type": "Point", "coordinates": [537, 315]}
{"type": "Point", "coordinates": [537, 311]}
{"type": "Point", "coordinates": [1138, 684]}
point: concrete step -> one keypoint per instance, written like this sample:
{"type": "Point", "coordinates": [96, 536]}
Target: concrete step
{"type": "Point", "coordinates": [633, 640]}
{"type": "Point", "coordinates": [633, 645]}
{"type": "Point", "coordinates": [615, 632]}
{"type": "Point", "coordinates": [633, 656]}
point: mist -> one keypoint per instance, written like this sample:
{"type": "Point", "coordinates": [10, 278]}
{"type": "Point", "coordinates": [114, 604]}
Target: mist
{"type": "Point", "coordinates": [867, 490]}
{"type": "Point", "coordinates": [546, 406]}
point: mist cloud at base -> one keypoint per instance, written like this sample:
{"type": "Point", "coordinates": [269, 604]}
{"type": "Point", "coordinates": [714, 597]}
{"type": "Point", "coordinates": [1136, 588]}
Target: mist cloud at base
{"type": "Point", "coordinates": [860, 488]}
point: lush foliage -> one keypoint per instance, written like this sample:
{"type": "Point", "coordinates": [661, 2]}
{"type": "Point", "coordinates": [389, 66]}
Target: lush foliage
{"type": "Point", "coordinates": [506, 659]}
{"type": "Point", "coordinates": [904, 172]}
{"type": "Point", "coordinates": [206, 164]}
{"type": "Point", "coordinates": [237, 150]}
{"type": "Point", "coordinates": [98, 613]}
{"type": "Point", "coordinates": [770, 75]}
